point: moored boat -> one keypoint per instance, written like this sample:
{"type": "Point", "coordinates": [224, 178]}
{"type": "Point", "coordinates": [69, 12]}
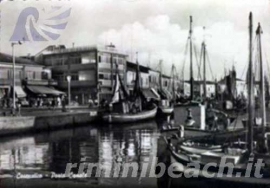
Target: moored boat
{"type": "Point", "coordinates": [248, 156]}
{"type": "Point", "coordinates": [129, 117]}
{"type": "Point", "coordinates": [125, 108]}
{"type": "Point", "coordinates": [165, 108]}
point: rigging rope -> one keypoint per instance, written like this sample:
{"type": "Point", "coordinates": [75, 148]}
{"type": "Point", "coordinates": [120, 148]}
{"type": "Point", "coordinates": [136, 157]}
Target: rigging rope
{"type": "Point", "coordinates": [209, 64]}
{"type": "Point", "coordinates": [185, 55]}
{"type": "Point", "coordinates": [198, 65]}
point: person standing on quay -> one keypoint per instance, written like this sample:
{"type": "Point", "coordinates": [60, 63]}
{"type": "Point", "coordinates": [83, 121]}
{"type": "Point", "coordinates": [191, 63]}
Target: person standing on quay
{"type": "Point", "coordinates": [63, 104]}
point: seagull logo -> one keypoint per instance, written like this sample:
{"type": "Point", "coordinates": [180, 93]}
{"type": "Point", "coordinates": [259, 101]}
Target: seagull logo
{"type": "Point", "coordinates": [39, 25]}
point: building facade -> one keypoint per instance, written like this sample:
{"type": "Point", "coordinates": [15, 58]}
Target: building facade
{"type": "Point", "coordinates": [154, 79]}
{"type": "Point", "coordinates": [92, 70]}
{"type": "Point", "coordinates": [28, 75]}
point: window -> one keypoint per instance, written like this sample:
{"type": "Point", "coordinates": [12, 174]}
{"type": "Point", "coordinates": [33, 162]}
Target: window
{"type": "Point", "coordinates": [74, 77]}
{"type": "Point", "coordinates": [4, 73]}
{"type": "Point", "coordinates": [88, 58]}
{"type": "Point", "coordinates": [87, 75]}
{"type": "Point", "coordinates": [101, 76]}
{"type": "Point", "coordinates": [30, 75]}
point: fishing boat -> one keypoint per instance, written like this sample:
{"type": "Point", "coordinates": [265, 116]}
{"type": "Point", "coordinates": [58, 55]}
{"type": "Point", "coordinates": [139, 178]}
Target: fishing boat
{"type": "Point", "coordinates": [184, 100]}
{"type": "Point", "coordinates": [165, 107]}
{"type": "Point", "coordinates": [224, 125]}
{"type": "Point", "coordinates": [192, 118]}
{"type": "Point", "coordinates": [125, 108]}
{"type": "Point", "coordinates": [242, 152]}
{"type": "Point", "coordinates": [128, 118]}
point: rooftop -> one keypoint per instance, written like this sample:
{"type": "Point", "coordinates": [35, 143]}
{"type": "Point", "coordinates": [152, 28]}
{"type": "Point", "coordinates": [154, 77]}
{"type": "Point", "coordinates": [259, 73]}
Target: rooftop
{"type": "Point", "coordinates": [61, 49]}
{"type": "Point", "coordinates": [6, 58]}
{"type": "Point", "coordinates": [132, 65]}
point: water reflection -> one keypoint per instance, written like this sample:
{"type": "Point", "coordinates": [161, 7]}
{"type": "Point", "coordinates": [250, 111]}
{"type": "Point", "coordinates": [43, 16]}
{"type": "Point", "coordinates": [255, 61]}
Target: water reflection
{"type": "Point", "coordinates": [50, 152]}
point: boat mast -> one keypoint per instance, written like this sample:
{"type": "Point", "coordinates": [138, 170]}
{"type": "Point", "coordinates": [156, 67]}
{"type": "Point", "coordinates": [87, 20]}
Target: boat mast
{"type": "Point", "coordinates": [204, 70]}
{"type": "Point", "coordinates": [191, 62]}
{"type": "Point", "coordinates": [160, 77]}
{"type": "Point", "coordinates": [262, 79]}
{"type": "Point", "coordinates": [250, 90]}
{"type": "Point", "coordinates": [138, 81]}
{"type": "Point", "coordinates": [173, 82]}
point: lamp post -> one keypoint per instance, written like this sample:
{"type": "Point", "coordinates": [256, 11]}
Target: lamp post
{"type": "Point", "coordinates": [14, 69]}
{"type": "Point", "coordinates": [68, 80]}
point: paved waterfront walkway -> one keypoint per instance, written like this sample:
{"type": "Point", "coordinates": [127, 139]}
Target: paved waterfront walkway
{"type": "Point", "coordinates": [42, 111]}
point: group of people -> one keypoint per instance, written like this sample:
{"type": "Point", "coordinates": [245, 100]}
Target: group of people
{"type": "Point", "coordinates": [47, 102]}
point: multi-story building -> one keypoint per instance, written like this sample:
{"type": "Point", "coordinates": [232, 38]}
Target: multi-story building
{"type": "Point", "coordinates": [92, 70]}
{"type": "Point", "coordinates": [30, 78]}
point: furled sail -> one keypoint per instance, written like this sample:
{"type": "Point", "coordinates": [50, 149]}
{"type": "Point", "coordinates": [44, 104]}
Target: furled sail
{"type": "Point", "coordinates": [116, 92]}
{"type": "Point", "coordinates": [119, 91]}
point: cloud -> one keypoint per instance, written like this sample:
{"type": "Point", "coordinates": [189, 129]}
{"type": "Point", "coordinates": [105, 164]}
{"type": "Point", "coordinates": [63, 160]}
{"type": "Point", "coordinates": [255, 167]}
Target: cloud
{"type": "Point", "coordinates": [158, 38]}
{"type": "Point", "coordinates": [157, 29]}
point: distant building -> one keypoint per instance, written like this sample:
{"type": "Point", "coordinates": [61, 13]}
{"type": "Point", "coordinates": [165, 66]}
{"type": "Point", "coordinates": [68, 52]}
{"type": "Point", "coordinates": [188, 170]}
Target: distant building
{"type": "Point", "coordinates": [144, 80]}
{"type": "Point", "coordinates": [198, 88]}
{"type": "Point", "coordinates": [92, 70]}
{"type": "Point", "coordinates": [154, 79]}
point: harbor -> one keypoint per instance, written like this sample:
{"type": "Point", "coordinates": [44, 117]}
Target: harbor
{"type": "Point", "coordinates": [174, 96]}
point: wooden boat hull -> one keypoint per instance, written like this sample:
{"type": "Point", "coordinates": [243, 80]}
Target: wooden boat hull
{"type": "Point", "coordinates": [198, 133]}
{"type": "Point", "coordinates": [181, 162]}
{"type": "Point", "coordinates": [128, 118]}
{"type": "Point", "coordinates": [166, 110]}
{"type": "Point", "coordinates": [188, 132]}
{"type": "Point", "coordinates": [187, 104]}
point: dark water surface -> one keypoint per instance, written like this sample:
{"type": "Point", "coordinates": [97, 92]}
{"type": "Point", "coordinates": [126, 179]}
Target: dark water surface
{"type": "Point", "coordinates": [48, 153]}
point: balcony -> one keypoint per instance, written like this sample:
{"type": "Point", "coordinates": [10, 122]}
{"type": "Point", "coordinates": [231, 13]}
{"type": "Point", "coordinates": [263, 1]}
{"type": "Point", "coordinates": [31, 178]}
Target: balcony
{"type": "Point", "coordinates": [77, 83]}
{"type": "Point", "coordinates": [105, 83]}
{"type": "Point", "coordinates": [106, 67]}
{"type": "Point", "coordinates": [74, 68]}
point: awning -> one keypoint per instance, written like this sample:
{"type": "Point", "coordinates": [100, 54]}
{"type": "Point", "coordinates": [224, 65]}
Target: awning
{"type": "Point", "coordinates": [156, 93]}
{"type": "Point", "coordinates": [19, 92]}
{"type": "Point", "coordinates": [42, 90]}
{"type": "Point", "coordinates": [147, 93]}
{"type": "Point", "coordinates": [165, 94]}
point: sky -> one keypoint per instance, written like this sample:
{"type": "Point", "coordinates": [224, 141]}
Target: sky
{"type": "Point", "coordinates": [156, 29]}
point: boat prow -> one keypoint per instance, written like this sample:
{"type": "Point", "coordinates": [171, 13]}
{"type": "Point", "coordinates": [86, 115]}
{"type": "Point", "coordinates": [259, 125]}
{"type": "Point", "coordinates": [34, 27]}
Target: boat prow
{"type": "Point", "coordinates": [128, 118]}
{"type": "Point", "coordinates": [166, 110]}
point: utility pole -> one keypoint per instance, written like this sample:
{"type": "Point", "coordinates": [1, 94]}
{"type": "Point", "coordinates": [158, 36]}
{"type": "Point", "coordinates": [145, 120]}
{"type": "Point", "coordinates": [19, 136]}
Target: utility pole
{"type": "Point", "coordinates": [14, 75]}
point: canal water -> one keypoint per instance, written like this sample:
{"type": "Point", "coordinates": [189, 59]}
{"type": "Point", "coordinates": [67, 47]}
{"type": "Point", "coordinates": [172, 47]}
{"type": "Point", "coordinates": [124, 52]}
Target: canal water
{"type": "Point", "coordinates": [40, 160]}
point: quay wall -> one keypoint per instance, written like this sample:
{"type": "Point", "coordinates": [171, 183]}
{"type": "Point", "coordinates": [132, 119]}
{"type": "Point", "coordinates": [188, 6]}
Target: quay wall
{"type": "Point", "coordinates": [19, 124]}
